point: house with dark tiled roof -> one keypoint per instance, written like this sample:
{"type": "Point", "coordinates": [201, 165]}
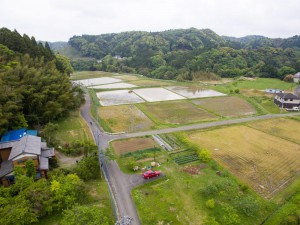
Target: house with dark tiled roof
{"type": "Point", "coordinates": [287, 100]}
{"type": "Point", "coordinates": [296, 77]}
{"type": "Point", "coordinates": [15, 150]}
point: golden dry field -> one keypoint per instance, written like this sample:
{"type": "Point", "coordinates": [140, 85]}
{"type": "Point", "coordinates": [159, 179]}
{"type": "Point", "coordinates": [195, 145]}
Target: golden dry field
{"type": "Point", "coordinates": [281, 127]}
{"type": "Point", "coordinates": [125, 118]}
{"type": "Point", "coordinates": [132, 145]}
{"type": "Point", "coordinates": [176, 112]}
{"type": "Point", "coordinates": [227, 106]}
{"type": "Point", "coordinates": [263, 161]}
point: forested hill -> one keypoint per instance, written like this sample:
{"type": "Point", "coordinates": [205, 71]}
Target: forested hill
{"type": "Point", "coordinates": [34, 83]}
{"type": "Point", "coordinates": [185, 54]}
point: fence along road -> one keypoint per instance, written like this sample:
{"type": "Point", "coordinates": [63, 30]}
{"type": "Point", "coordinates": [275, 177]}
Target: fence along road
{"type": "Point", "coordinates": [120, 185]}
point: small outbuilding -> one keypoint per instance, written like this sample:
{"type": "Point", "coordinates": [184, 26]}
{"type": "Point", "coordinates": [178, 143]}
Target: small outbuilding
{"type": "Point", "coordinates": [297, 77]}
{"type": "Point", "coordinates": [287, 100]}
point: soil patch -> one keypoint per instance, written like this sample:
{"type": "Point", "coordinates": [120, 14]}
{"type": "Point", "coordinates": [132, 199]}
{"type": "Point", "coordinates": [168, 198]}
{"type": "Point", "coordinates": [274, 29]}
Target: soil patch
{"type": "Point", "coordinates": [190, 169]}
{"type": "Point", "coordinates": [132, 145]}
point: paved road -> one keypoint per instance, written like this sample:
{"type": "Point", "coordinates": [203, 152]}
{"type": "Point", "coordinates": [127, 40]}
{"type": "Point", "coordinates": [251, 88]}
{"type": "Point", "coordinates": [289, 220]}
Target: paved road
{"type": "Point", "coordinates": [121, 184]}
{"type": "Point", "coordinates": [201, 125]}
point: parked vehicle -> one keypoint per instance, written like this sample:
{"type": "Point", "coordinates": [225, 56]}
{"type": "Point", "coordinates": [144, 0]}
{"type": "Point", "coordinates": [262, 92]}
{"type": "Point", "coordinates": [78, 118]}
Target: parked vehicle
{"type": "Point", "coordinates": [295, 108]}
{"type": "Point", "coordinates": [150, 174]}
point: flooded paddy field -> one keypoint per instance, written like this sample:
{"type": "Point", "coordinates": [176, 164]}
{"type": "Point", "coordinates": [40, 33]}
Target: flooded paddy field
{"type": "Point", "coordinates": [157, 94]}
{"type": "Point", "coordinates": [194, 92]}
{"type": "Point", "coordinates": [97, 81]}
{"type": "Point", "coordinates": [119, 97]}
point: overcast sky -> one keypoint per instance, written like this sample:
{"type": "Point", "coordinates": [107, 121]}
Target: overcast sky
{"type": "Point", "coordinates": [58, 20]}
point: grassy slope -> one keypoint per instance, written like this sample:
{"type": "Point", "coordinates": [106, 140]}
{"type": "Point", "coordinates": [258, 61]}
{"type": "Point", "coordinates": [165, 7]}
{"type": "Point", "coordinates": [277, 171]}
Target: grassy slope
{"type": "Point", "coordinates": [73, 128]}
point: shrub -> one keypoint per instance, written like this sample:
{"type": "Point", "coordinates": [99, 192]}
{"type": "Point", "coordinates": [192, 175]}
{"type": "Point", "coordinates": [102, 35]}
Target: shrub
{"type": "Point", "coordinates": [210, 203]}
{"type": "Point", "coordinates": [247, 204]}
{"type": "Point", "coordinates": [204, 155]}
{"type": "Point", "coordinates": [88, 168]}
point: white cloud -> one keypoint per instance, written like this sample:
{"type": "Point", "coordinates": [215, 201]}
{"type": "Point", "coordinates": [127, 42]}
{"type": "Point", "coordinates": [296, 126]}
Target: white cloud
{"type": "Point", "coordinates": [55, 20]}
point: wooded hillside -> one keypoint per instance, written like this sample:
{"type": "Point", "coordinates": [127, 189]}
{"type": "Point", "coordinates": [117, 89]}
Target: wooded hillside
{"type": "Point", "coordinates": [35, 87]}
{"type": "Point", "coordinates": [187, 54]}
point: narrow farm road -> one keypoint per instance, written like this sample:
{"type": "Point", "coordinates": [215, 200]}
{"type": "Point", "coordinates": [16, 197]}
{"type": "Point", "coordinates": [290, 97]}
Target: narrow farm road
{"type": "Point", "coordinates": [121, 184]}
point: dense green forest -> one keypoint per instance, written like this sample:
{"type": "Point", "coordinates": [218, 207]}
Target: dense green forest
{"type": "Point", "coordinates": [35, 87]}
{"type": "Point", "coordinates": [184, 54]}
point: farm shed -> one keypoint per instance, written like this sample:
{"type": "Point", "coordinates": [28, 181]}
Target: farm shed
{"type": "Point", "coordinates": [17, 149]}
{"type": "Point", "coordinates": [296, 77]}
{"type": "Point", "coordinates": [286, 100]}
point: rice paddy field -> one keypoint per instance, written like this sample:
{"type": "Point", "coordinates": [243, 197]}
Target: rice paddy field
{"type": "Point", "coordinates": [230, 106]}
{"type": "Point", "coordinates": [157, 94]}
{"type": "Point", "coordinates": [176, 112]}
{"type": "Point", "coordinates": [118, 97]}
{"type": "Point", "coordinates": [125, 118]}
{"type": "Point", "coordinates": [265, 162]}
{"type": "Point", "coordinates": [132, 145]}
{"type": "Point", "coordinates": [194, 92]}
{"type": "Point", "coordinates": [97, 81]}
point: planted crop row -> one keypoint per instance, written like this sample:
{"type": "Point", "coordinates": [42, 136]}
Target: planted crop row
{"type": "Point", "coordinates": [186, 159]}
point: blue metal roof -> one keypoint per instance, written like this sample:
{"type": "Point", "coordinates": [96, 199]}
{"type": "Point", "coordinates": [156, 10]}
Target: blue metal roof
{"type": "Point", "coordinates": [17, 134]}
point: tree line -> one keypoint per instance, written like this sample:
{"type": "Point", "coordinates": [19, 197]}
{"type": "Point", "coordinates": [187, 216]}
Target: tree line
{"type": "Point", "coordinates": [181, 54]}
{"type": "Point", "coordinates": [35, 86]}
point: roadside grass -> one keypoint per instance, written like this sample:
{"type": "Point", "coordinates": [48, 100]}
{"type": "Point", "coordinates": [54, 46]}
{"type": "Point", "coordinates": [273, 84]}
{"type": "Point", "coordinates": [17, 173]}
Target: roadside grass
{"type": "Point", "coordinates": [124, 118]}
{"type": "Point", "coordinates": [288, 212]}
{"type": "Point", "coordinates": [175, 113]}
{"type": "Point", "coordinates": [263, 161]}
{"type": "Point", "coordinates": [230, 106]}
{"type": "Point", "coordinates": [73, 128]}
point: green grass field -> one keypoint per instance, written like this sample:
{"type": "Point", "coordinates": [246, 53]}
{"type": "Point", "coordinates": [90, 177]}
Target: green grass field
{"type": "Point", "coordinates": [256, 84]}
